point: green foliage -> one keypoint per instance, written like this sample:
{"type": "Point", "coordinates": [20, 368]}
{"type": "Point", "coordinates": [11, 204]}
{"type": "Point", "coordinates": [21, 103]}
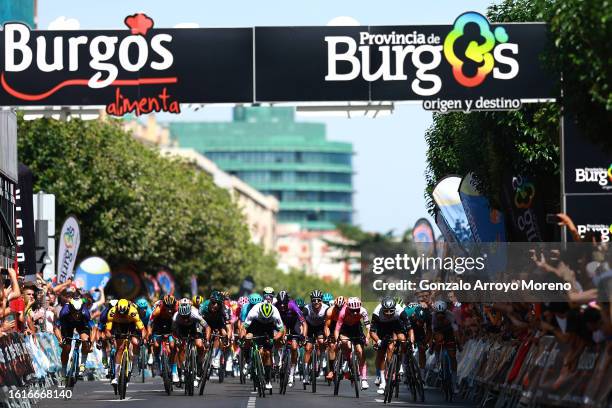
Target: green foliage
{"type": "Point", "coordinates": [493, 143]}
{"type": "Point", "coordinates": [134, 205]}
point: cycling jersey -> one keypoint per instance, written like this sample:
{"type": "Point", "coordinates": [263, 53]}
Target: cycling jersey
{"type": "Point", "coordinates": [191, 325]}
{"type": "Point", "coordinates": [292, 317]}
{"type": "Point", "coordinates": [69, 322]}
{"type": "Point", "coordinates": [315, 319]}
{"type": "Point", "coordinates": [130, 318]}
{"type": "Point", "coordinates": [245, 311]}
{"type": "Point", "coordinates": [386, 326]}
{"type": "Point", "coordinates": [216, 320]}
{"type": "Point", "coordinates": [146, 316]}
{"type": "Point", "coordinates": [350, 322]}
{"type": "Point", "coordinates": [254, 317]}
{"type": "Point", "coordinates": [103, 317]}
{"type": "Point", "coordinates": [331, 315]}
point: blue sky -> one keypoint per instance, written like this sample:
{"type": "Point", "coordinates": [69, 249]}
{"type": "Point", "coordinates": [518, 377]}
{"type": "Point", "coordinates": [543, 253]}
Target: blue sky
{"type": "Point", "coordinates": [390, 151]}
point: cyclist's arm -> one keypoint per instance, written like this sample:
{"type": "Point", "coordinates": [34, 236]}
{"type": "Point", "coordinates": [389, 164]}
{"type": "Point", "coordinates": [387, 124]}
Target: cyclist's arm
{"type": "Point", "coordinates": [278, 322]}
{"type": "Point", "coordinates": [109, 321]}
{"type": "Point", "coordinates": [340, 322]}
{"type": "Point", "coordinates": [328, 321]}
{"type": "Point", "coordinates": [374, 328]}
{"type": "Point", "coordinates": [366, 324]}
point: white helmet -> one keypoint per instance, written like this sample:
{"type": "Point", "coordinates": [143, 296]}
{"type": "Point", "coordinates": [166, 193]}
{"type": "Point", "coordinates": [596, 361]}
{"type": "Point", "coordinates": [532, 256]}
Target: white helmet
{"type": "Point", "coordinates": [353, 303]}
{"type": "Point", "coordinates": [440, 306]}
{"type": "Point", "coordinates": [184, 307]}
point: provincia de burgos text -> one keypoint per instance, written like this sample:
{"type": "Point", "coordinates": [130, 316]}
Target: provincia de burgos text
{"type": "Point", "coordinates": [403, 263]}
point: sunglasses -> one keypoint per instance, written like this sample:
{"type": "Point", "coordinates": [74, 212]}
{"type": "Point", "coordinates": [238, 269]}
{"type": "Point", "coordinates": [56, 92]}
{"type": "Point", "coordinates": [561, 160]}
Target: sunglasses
{"type": "Point", "coordinates": [316, 300]}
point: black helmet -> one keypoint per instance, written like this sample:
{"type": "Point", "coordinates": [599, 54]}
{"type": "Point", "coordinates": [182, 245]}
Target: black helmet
{"type": "Point", "coordinates": [316, 294]}
{"type": "Point", "coordinates": [282, 297]}
{"type": "Point", "coordinates": [387, 304]}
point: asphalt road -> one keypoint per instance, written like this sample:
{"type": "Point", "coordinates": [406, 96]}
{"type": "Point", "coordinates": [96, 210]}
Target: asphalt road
{"type": "Point", "coordinates": [151, 394]}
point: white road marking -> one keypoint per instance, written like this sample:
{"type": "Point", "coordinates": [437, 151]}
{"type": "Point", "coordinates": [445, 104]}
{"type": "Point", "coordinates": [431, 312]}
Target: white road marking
{"type": "Point", "coordinates": [124, 400]}
{"type": "Point", "coordinates": [251, 402]}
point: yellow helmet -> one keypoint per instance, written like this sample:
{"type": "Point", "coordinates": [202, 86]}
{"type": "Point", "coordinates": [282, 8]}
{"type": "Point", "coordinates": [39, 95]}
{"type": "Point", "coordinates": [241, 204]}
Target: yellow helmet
{"type": "Point", "coordinates": [197, 300]}
{"type": "Point", "coordinates": [123, 306]}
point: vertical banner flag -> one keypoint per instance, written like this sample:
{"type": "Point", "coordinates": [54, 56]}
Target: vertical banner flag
{"type": "Point", "coordinates": [423, 237]}
{"type": "Point", "coordinates": [521, 203]}
{"type": "Point", "coordinates": [69, 241]}
{"type": "Point", "coordinates": [166, 281]}
{"type": "Point", "coordinates": [486, 223]}
{"type": "Point", "coordinates": [446, 197]}
{"type": "Point", "coordinates": [194, 285]}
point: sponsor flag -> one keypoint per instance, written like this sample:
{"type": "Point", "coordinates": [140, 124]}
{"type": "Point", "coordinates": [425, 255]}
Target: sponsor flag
{"type": "Point", "coordinates": [446, 197]}
{"type": "Point", "coordinates": [423, 237]}
{"type": "Point", "coordinates": [92, 273]}
{"type": "Point", "coordinates": [166, 281]}
{"type": "Point", "coordinates": [486, 223]}
{"type": "Point", "coordinates": [69, 241]}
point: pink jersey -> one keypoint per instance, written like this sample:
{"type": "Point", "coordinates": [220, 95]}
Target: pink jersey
{"type": "Point", "coordinates": [351, 319]}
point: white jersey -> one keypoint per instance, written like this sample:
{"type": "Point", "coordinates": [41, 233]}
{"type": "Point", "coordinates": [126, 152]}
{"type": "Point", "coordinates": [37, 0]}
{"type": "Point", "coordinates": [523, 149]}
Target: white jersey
{"type": "Point", "coordinates": [193, 318]}
{"type": "Point", "coordinates": [314, 318]}
{"type": "Point", "coordinates": [274, 319]}
{"type": "Point", "coordinates": [382, 318]}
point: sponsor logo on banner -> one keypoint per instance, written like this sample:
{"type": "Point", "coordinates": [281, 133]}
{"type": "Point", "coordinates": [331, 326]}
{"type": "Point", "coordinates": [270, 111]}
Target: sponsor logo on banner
{"type": "Point", "coordinates": [603, 229]}
{"type": "Point", "coordinates": [595, 175]}
{"type": "Point", "coordinates": [471, 60]}
{"type": "Point", "coordinates": [107, 56]}
{"type": "Point", "coordinates": [70, 239]}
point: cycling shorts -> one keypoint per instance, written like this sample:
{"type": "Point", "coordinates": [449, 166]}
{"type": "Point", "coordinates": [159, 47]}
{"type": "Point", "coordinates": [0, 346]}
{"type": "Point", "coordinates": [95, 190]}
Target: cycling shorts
{"type": "Point", "coordinates": [355, 332]}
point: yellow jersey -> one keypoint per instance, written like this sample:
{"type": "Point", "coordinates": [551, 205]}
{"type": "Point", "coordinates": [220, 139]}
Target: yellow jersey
{"type": "Point", "coordinates": [131, 316]}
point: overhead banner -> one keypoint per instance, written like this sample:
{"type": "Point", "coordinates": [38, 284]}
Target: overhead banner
{"type": "Point", "coordinates": [446, 197]}
{"type": "Point", "coordinates": [465, 66]}
{"type": "Point", "coordinates": [69, 240]}
{"type": "Point", "coordinates": [24, 212]}
{"type": "Point", "coordinates": [588, 167]}
{"type": "Point", "coordinates": [486, 223]}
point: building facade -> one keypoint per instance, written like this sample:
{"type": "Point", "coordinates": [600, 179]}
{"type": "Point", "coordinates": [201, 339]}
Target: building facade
{"type": "Point", "coordinates": [310, 176]}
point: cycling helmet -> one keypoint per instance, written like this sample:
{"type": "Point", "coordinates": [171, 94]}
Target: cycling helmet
{"type": "Point", "coordinates": [399, 301]}
{"type": "Point", "coordinates": [255, 298]}
{"type": "Point", "coordinates": [169, 301]}
{"type": "Point", "coordinates": [243, 300]}
{"type": "Point", "coordinates": [184, 307]}
{"type": "Point", "coordinates": [299, 302]}
{"type": "Point", "coordinates": [411, 310]}
{"type": "Point", "coordinates": [265, 311]}
{"type": "Point", "coordinates": [225, 295]}
{"type": "Point", "coordinates": [197, 300]}
{"type": "Point", "coordinates": [387, 304]}
{"type": "Point", "coordinates": [268, 291]}
{"type": "Point", "coordinates": [123, 306]}
{"type": "Point", "coordinates": [316, 294]}
{"type": "Point", "coordinates": [422, 313]}
{"type": "Point", "coordinates": [328, 298]}
{"type": "Point", "coordinates": [113, 302]}
{"type": "Point", "coordinates": [76, 304]}
{"type": "Point", "coordinates": [440, 306]}
{"type": "Point", "coordinates": [142, 303]}
{"type": "Point", "coordinates": [283, 297]}
{"type": "Point", "coordinates": [353, 303]}
{"type": "Point", "coordinates": [340, 301]}
{"type": "Point", "coordinates": [216, 297]}
{"type": "Point", "coordinates": [413, 304]}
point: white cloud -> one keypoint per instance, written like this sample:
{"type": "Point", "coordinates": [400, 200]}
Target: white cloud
{"type": "Point", "coordinates": [63, 23]}
{"type": "Point", "coordinates": [343, 21]}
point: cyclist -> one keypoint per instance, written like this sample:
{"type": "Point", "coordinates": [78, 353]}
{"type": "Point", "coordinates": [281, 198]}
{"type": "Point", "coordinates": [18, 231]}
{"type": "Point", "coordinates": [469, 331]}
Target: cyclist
{"type": "Point", "coordinates": [328, 299]}
{"type": "Point", "coordinates": [331, 317]}
{"type": "Point", "coordinates": [264, 321]}
{"type": "Point", "coordinates": [123, 319]}
{"type": "Point", "coordinates": [348, 328]}
{"type": "Point", "coordinates": [103, 342]}
{"type": "Point", "coordinates": [219, 319]}
{"type": "Point", "coordinates": [386, 328]}
{"type": "Point", "coordinates": [254, 299]}
{"type": "Point", "coordinates": [74, 316]}
{"type": "Point", "coordinates": [300, 303]}
{"type": "Point", "coordinates": [420, 333]}
{"type": "Point", "coordinates": [314, 314]}
{"type": "Point", "coordinates": [144, 311]}
{"type": "Point", "coordinates": [445, 332]}
{"type": "Point", "coordinates": [188, 323]}
{"type": "Point", "coordinates": [160, 324]}
{"type": "Point", "coordinates": [294, 322]}
{"type": "Point", "coordinates": [197, 301]}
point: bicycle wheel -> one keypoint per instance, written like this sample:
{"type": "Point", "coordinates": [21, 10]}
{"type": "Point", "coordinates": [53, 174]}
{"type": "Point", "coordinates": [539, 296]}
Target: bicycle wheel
{"type": "Point", "coordinates": [389, 376]}
{"type": "Point", "coordinates": [314, 368]}
{"type": "Point", "coordinates": [72, 374]}
{"type": "Point", "coordinates": [446, 377]}
{"type": "Point", "coordinates": [418, 380]}
{"type": "Point", "coordinates": [123, 373]}
{"type": "Point", "coordinates": [205, 369]}
{"type": "Point", "coordinates": [260, 374]}
{"type": "Point", "coordinates": [221, 370]}
{"type": "Point", "coordinates": [338, 371]}
{"type": "Point", "coordinates": [143, 362]}
{"type": "Point", "coordinates": [355, 372]}
{"type": "Point", "coordinates": [166, 374]}
{"type": "Point", "coordinates": [283, 373]}
{"type": "Point", "coordinates": [241, 366]}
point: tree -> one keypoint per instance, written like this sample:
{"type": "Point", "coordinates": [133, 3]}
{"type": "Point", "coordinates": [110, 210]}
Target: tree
{"type": "Point", "coordinates": [526, 141]}
{"type": "Point", "coordinates": [135, 206]}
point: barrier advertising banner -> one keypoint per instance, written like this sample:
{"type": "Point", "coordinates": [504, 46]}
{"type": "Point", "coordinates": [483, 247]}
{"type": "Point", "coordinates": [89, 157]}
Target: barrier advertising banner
{"type": "Point", "coordinates": [69, 240]}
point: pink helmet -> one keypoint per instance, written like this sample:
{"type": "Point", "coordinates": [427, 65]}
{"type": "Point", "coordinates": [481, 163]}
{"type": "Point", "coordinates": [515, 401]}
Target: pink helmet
{"type": "Point", "coordinates": [353, 303]}
{"type": "Point", "coordinates": [243, 300]}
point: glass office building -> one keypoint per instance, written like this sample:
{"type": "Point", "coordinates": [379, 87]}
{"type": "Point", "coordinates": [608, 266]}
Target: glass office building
{"type": "Point", "coordinates": [310, 175]}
